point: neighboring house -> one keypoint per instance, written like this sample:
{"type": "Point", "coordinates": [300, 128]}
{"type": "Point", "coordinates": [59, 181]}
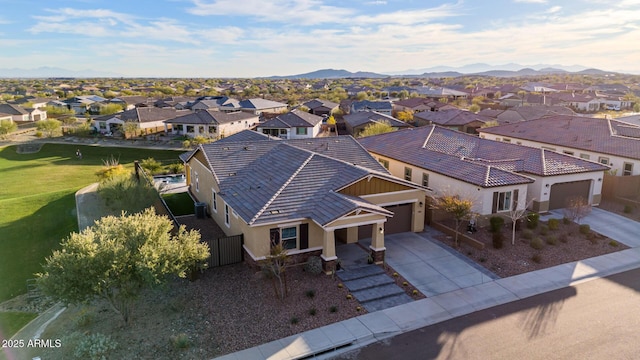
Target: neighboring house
{"type": "Point", "coordinates": [36, 103]}
{"type": "Point", "coordinates": [258, 106]}
{"type": "Point", "coordinates": [82, 104]}
{"type": "Point", "coordinates": [441, 92]}
{"type": "Point", "coordinates": [306, 194]}
{"type": "Point", "coordinates": [456, 119]}
{"type": "Point", "coordinates": [357, 122]}
{"type": "Point", "coordinates": [211, 123]}
{"type": "Point", "coordinates": [296, 124]}
{"type": "Point", "coordinates": [610, 142]}
{"type": "Point", "coordinates": [131, 102]}
{"type": "Point", "coordinates": [525, 113]}
{"type": "Point", "coordinates": [496, 176]}
{"type": "Point", "coordinates": [321, 107]}
{"type": "Point", "coordinates": [5, 117]}
{"type": "Point", "coordinates": [173, 101]}
{"type": "Point", "coordinates": [381, 107]}
{"type": "Point", "coordinates": [20, 114]}
{"type": "Point", "coordinates": [419, 104]}
{"type": "Point", "coordinates": [148, 119]}
{"type": "Point", "coordinates": [221, 103]}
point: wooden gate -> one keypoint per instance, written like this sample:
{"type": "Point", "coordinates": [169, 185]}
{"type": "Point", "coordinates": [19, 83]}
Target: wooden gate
{"type": "Point", "coordinates": [226, 250]}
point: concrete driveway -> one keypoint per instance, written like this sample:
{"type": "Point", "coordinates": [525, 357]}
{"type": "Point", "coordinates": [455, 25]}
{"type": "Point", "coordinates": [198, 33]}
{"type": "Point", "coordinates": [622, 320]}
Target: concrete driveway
{"type": "Point", "coordinates": [614, 226]}
{"type": "Point", "coordinates": [430, 266]}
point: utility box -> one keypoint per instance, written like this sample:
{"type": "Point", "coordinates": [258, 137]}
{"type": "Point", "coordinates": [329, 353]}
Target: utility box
{"type": "Point", "coordinates": [201, 210]}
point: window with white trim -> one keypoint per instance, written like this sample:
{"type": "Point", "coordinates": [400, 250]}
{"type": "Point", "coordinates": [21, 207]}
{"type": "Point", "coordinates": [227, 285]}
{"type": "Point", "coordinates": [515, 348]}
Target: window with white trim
{"type": "Point", "coordinates": [425, 180]}
{"type": "Point", "coordinates": [214, 201]}
{"type": "Point", "coordinates": [227, 220]}
{"type": "Point", "coordinates": [197, 183]}
{"type": "Point", "coordinates": [384, 163]}
{"type": "Point", "coordinates": [407, 173]}
{"type": "Point", "coordinates": [289, 237]}
{"type": "Point", "coordinates": [603, 160]}
{"type": "Point", "coordinates": [585, 156]}
{"type": "Point", "coordinates": [627, 169]}
{"type": "Point", "coordinates": [301, 131]}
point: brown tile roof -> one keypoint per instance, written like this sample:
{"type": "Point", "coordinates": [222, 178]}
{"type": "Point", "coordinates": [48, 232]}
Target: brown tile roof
{"type": "Point", "coordinates": [603, 136]}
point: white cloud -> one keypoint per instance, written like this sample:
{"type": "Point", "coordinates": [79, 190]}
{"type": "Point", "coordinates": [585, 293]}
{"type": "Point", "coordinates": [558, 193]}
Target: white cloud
{"type": "Point", "coordinates": [554, 9]}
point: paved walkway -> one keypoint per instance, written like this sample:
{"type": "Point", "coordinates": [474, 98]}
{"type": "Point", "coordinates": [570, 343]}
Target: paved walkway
{"type": "Point", "coordinates": [331, 340]}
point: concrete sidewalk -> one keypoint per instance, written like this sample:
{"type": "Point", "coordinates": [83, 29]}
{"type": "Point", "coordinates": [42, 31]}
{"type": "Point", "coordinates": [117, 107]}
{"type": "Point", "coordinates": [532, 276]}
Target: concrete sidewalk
{"type": "Point", "coordinates": [331, 340]}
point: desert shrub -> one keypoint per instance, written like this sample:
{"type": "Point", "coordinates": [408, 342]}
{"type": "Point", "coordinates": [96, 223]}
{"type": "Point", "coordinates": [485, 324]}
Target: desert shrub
{"type": "Point", "coordinates": [310, 293]}
{"type": "Point", "coordinates": [498, 240]}
{"type": "Point", "coordinates": [294, 320]}
{"type": "Point", "coordinates": [566, 220]}
{"type": "Point", "coordinates": [495, 223]}
{"type": "Point", "coordinates": [552, 240]}
{"type": "Point", "coordinates": [94, 346]}
{"type": "Point", "coordinates": [585, 229]}
{"type": "Point", "coordinates": [180, 341]}
{"type": "Point", "coordinates": [536, 258]}
{"type": "Point", "coordinates": [313, 311]}
{"type": "Point", "coordinates": [553, 224]}
{"type": "Point", "coordinates": [628, 209]}
{"type": "Point", "coordinates": [613, 243]}
{"type": "Point", "coordinates": [176, 168]}
{"type": "Point", "coordinates": [527, 234]}
{"type": "Point", "coordinates": [152, 165]}
{"type": "Point", "coordinates": [544, 230]}
{"type": "Point", "coordinates": [186, 144]}
{"type": "Point", "coordinates": [537, 243]}
{"type": "Point", "coordinates": [85, 318]}
{"type": "Point", "coordinates": [333, 309]}
{"type": "Point", "coordinates": [532, 220]}
{"type": "Point", "coordinates": [39, 134]}
{"type": "Point", "coordinates": [313, 265]}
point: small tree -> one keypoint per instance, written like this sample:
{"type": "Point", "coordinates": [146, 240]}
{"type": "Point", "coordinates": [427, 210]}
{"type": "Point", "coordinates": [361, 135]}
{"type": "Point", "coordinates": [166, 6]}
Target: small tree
{"type": "Point", "coordinates": [49, 127]}
{"type": "Point", "coordinates": [7, 127]}
{"type": "Point", "coordinates": [405, 115]}
{"type": "Point", "coordinates": [457, 207]}
{"type": "Point", "coordinates": [130, 129]}
{"type": "Point", "coordinates": [119, 256]}
{"type": "Point", "coordinates": [274, 267]}
{"type": "Point", "coordinates": [517, 213]}
{"type": "Point", "coordinates": [474, 108]}
{"type": "Point", "coordinates": [331, 121]}
{"type": "Point", "coordinates": [376, 128]}
{"type": "Point", "coordinates": [577, 208]}
{"type": "Point", "coordinates": [490, 123]}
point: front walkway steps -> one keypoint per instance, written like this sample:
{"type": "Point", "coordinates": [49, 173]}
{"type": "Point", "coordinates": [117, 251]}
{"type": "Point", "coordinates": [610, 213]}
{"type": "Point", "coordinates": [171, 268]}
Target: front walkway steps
{"type": "Point", "coordinates": [373, 287]}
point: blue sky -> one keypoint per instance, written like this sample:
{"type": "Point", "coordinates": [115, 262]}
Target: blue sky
{"type": "Point", "coordinates": [247, 38]}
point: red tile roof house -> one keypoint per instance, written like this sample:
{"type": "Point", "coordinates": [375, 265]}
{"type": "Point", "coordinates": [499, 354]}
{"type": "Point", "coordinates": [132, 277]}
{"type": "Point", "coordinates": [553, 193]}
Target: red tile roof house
{"type": "Point", "coordinates": [614, 143]}
{"type": "Point", "coordinates": [148, 119]}
{"type": "Point", "coordinates": [306, 193]}
{"type": "Point", "coordinates": [497, 176]}
{"type": "Point", "coordinates": [456, 119]}
{"type": "Point", "coordinates": [210, 123]}
{"type": "Point", "coordinates": [296, 124]}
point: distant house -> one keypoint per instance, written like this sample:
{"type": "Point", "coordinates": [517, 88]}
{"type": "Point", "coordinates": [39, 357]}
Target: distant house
{"type": "Point", "coordinates": [456, 119]}
{"type": "Point", "coordinates": [525, 113]}
{"type": "Point", "coordinates": [82, 104]}
{"type": "Point", "coordinates": [441, 92]}
{"type": "Point", "coordinates": [306, 194]}
{"type": "Point", "coordinates": [174, 102]}
{"type": "Point", "coordinates": [130, 102]}
{"type": "Point", "coordinates": [20, 114]}
{"type": "Point", "coordinates": [381, 107]}
{"type": "Point", "coordinates": [496, 176]}
{"type": "Point", "coordinates": [610, 142]}
{"type": "Point", "coordinates": [221, 103]}
{"type": "Point", "coordinates": [148, 119]}
{"type": "Point", "coordinates": [357, 122]}
{"type": "Point", "coordinates": [36, 103]}
{"type": "Point", "coordinates": [321, 107]}
{"type": "Point", "coordinates": [211, 123]}
{"type": "Point", "coordinates": [296, 124]}
{"type": "Point", "coordinates": [419, 104]}
{"type": "Point", "coordinates": [259, 106]}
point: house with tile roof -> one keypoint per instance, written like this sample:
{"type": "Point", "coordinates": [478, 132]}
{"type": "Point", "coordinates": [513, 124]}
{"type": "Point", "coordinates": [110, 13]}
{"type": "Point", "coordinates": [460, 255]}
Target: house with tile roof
{"type": "Point", "coordinates": [20, 114]}
{"type": "Point", "coordinates": [456, 119]}
{"type": "Point", "coordinates": [525, 113]}
{"type": "Point", "coordinates": [148, 119]}
{"type": "Point", "coordinates": [258, 106]}
{"type": "Point", "coordinates": [321, 107]}
{"type": "Point", "coordinates": [210, 123]}
{"type": "Point", "coordinates": [307, 194]}
{"type": "Point", "coordinates": [497, 176]}
{"type": "Point", "coordinates": [355, 123]}
{"type": "Point", "coordinates": [381, 107]}
{"type": "Point", "coordinates": [612, 142]}
{"type": "Point", "coordinates": [419, 104]}
{"type": "Point", "coordinates": [296, 124]}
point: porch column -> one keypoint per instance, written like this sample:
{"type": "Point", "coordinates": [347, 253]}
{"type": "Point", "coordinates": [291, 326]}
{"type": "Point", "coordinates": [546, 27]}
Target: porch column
{"type": "Point", "coordinates": [417, 222]}
{"type": "Point", "coordinates": [377, 243]}
{"type": "Point", "coordinates": [328, 256]}
{"type": "Point", "coordinates": [352, 235]}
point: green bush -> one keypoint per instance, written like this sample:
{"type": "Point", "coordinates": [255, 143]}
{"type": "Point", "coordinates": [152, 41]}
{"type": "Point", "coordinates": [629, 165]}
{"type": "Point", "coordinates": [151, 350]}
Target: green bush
{"type": "Point", "coordinates": [313, 265]}
{"type": "Point", "coordinates": [151, 165]}
{"type": "Point", "coordinates": [495, 224]}
{"type": "Point", "coordinates": [553, 224]}
{"type": "Point", "coordinates": [585, 229]}
{"type": "Point", "coordinates": [498, 240]}
{"type": "Point", "coordinates": [566, 220]}
{"type": "Point", "coordinates": [552, 240]}
{"type": "Point", "coordinates": [537, 243]}
{"type": "Point", "coordinates": [294, 320]}
{"type": "Point", "coordinates": [333, 309]}
{"type": "Point", "coordinates": [532, 220]}
{"type": "Point", "coordinates": [613, 243]}
{"type": "Point", "coordinates": [310, 293]}
{"type": "Point", "coordinates": [176, 168]}
{"type": "Point", "coordinates": [313, 311]}
{"type": "Point", "coordinates": [544, 230]}
{"type": "Point", "coordinates": [180, 341]}
{"type": "Point", "coordinates": [527, 234]}
{"type": "Point", "coordinates": [95, 347]}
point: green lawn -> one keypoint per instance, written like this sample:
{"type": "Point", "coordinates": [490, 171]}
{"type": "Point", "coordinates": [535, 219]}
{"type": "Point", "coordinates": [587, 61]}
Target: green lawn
{"type": "Point", "coordinates": [179, 203]}
{"type": "Point", "coordinates": [37, 202]}
{"type": "Point", "coordinates": [11, 322]}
